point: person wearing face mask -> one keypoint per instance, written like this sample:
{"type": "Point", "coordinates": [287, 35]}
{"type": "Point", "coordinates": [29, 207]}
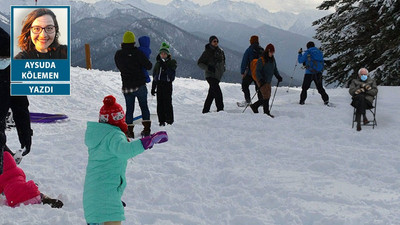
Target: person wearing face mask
{"type": "Point", "coordinates": [18, 104]}
{"type": "Point", "coordinates": [39, 37]}
{"type": "Point", "coordinates": [363, 89]}
{"type": "Point", "coordinates": [163, 76]}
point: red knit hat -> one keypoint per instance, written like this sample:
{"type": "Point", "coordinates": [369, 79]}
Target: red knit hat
{"type": "Point", "coordinates": [270, 48]}
{"type": "Point", "coordinates": [113, 113]}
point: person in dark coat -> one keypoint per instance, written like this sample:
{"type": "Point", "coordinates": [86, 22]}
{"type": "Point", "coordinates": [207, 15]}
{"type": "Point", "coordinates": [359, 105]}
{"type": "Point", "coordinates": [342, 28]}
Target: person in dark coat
{"type": "Point", "coordinates": [17, 104]}
{"type": "Point", "coordinates": [212, 61]}
{"type": "Point", "coordinates": [163, 76]}
{"type": "Point", "coordinates": [266, 69]}
{"type": "Point", "coordinates": [254, 51]}
{"type": "Point", "coordinates": [363, 90]}
{"type": "Point", "coordinates": [313, 60]}
{"type": "Point", "coordinates": [130, 61]}
{"type": "Point", "coordinates": [39, 37]}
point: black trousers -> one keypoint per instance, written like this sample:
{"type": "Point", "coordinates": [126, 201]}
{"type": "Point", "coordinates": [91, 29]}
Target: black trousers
{"type": "Point", "coordinates": [361, 104]}
{"type": "Point", "coordinates": [246, 81]}
{"type": "Point", "coordinates": [264, 103]}
{"type": "Point", "coordinates": [165, 111]}
{"type": "Point", "coordinates": [19, 106]}
{"type": "Point", "coordinates": [214, 92]}
{"type": "Point", "coordinates": [317, 78]}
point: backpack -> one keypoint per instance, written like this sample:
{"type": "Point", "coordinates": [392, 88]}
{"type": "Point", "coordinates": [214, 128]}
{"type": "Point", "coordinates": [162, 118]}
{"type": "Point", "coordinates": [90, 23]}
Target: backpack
{"type": "Point", "coordinates": [315, 65]}
{"type": "Point", "coordinates": [253, 67]}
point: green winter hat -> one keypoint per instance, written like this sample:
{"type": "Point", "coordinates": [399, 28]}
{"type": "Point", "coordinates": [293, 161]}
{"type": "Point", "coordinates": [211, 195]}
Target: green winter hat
{"type": "Point", "coordinates": [164, 48]}
{"type": "Point", "coordinates": [129, 38]}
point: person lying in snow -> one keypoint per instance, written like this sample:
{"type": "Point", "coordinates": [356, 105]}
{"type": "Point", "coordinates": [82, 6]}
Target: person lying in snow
{"type": "Point", "coordinates": [17, 190]}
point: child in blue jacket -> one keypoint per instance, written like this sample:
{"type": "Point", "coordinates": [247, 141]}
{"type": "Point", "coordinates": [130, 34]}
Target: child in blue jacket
{"type": "Point", "coordinates": [144, 43]}
{"type": "Point", "coordinates": [109, 150]}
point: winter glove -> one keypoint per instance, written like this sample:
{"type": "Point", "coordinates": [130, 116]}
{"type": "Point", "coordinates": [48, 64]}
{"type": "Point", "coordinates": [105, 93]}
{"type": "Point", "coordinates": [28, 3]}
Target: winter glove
{"type": "Point", "coordinates": [367, 87]}
{"type": "Point", "coordinates": [156, 138]}
{"type": "Point", "coordinates": [26, 143]}
{"type": "Point", "coordinates": [300, 50]}
{"type": "Point", "coordinates": [279, 79]}
{"type": "Point", "coordinates": [211, 68]}
{"type": "Point", "coordinates": [358, 91]}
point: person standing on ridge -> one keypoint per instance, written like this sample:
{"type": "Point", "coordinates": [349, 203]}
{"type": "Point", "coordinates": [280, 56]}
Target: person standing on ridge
{"type": "Point", "coordinates": [18, 104]}
{"type": "Point", "coordinates": [163, 76]}
{"type": "Point", "coordinates": [266, 68]}
{"type": "Point", "coordinates": [254, 51]}
{"type": "Point", "coordinates": [130, 61]}
{"type": "Point", "coordinates": [314, 63]}
{"type": "Point", "coordinates": [212, 61]}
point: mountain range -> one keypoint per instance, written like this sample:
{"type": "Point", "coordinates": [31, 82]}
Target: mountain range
{"type": "Point", "coordinates": [186, 26]}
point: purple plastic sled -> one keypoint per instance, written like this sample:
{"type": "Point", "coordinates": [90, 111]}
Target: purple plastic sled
{"type": "Point", "coordinates": [46, 117]}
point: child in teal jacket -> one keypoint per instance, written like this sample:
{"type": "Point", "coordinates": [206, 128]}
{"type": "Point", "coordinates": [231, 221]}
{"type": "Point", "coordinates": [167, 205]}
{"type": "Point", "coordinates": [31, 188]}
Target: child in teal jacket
{"type": "Point", "coordinates": [109, 149]}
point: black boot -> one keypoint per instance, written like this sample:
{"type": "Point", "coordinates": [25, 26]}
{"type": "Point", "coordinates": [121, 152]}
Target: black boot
{"type": "Point", "coordinates": [266, 108]}
{"type": "Point", "coordinates": [358, 120]}
{"type": "Point", "coordinates": [255, 106]}
{"type": "Point", "coordinates": [365, 119]}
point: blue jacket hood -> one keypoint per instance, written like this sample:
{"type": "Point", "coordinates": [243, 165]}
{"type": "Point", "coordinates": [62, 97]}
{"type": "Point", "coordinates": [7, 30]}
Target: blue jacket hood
{"type": "Point", "coordinates": [144, 41]}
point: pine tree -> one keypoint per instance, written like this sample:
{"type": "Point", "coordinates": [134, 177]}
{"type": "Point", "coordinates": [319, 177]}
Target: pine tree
{"type": "Point", "coordinates": [361, 33]}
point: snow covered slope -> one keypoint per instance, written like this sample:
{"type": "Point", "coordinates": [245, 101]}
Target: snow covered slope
{"type": "Point", "coordinates": [305, 166]}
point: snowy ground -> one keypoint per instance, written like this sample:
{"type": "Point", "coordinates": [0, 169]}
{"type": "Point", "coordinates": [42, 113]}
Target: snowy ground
{"type": "Point", "coordinates": [306, 166]}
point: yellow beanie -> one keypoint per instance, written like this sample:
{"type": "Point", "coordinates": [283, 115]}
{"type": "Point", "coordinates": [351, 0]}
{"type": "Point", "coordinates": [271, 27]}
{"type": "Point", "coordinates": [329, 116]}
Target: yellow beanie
{"type": "Point", "coordinates": [129, 37]}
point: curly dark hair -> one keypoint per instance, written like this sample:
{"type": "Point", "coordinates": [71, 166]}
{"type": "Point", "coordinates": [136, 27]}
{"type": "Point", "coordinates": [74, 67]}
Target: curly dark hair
{"type": "Point", "coordinates": [24, 40]}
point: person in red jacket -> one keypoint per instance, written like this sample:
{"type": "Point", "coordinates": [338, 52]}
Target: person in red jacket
{"type": "Point", "coordinates": [17, 190]}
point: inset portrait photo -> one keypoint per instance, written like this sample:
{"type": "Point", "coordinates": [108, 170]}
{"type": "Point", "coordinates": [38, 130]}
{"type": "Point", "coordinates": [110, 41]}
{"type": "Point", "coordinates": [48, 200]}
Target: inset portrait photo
{"type": "Point", "coordinates": [40, 33]}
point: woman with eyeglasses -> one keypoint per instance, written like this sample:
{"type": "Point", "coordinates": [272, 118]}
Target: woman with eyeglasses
{"type": "Point", "coordinates": [39, 37]}
{"type": "Point", "coordinates": [212, 61]}
{"type": "Point", "coordinates": [363, 89]}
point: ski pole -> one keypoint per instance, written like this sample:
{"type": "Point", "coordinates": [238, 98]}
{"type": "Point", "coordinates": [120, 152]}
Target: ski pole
{"type": "Point", "coordinates": [273, 98]}
{"type": "Point", "coordinates": [247, 105]}
{"type": "Point", "coordinates": [291, 78]}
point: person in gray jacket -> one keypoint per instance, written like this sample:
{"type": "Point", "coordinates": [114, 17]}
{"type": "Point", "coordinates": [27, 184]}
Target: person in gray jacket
{"type": "Point", "coordinates": [212, 61]}
{"type": "Point", "coordinates": [363, 89]}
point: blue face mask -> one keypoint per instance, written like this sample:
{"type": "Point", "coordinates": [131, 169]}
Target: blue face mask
{"type": "Point", "coordinates": [4, 63]}
{"type": "Point", "coordinates": [364, 77]}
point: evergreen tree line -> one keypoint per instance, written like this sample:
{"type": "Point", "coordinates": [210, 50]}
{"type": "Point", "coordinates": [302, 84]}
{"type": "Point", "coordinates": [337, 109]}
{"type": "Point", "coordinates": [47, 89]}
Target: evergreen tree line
{"type": "Point", "coordinates": [361, 33]}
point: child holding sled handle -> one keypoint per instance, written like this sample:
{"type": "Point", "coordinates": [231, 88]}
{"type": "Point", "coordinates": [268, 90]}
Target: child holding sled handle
{"type": "Point", "coordinates": [109, 150]}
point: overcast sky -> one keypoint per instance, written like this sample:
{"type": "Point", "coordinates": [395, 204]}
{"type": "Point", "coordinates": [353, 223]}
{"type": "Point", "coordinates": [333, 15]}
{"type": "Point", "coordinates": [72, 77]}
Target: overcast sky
{"type": "Point", "coordinates": [271, 5]}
